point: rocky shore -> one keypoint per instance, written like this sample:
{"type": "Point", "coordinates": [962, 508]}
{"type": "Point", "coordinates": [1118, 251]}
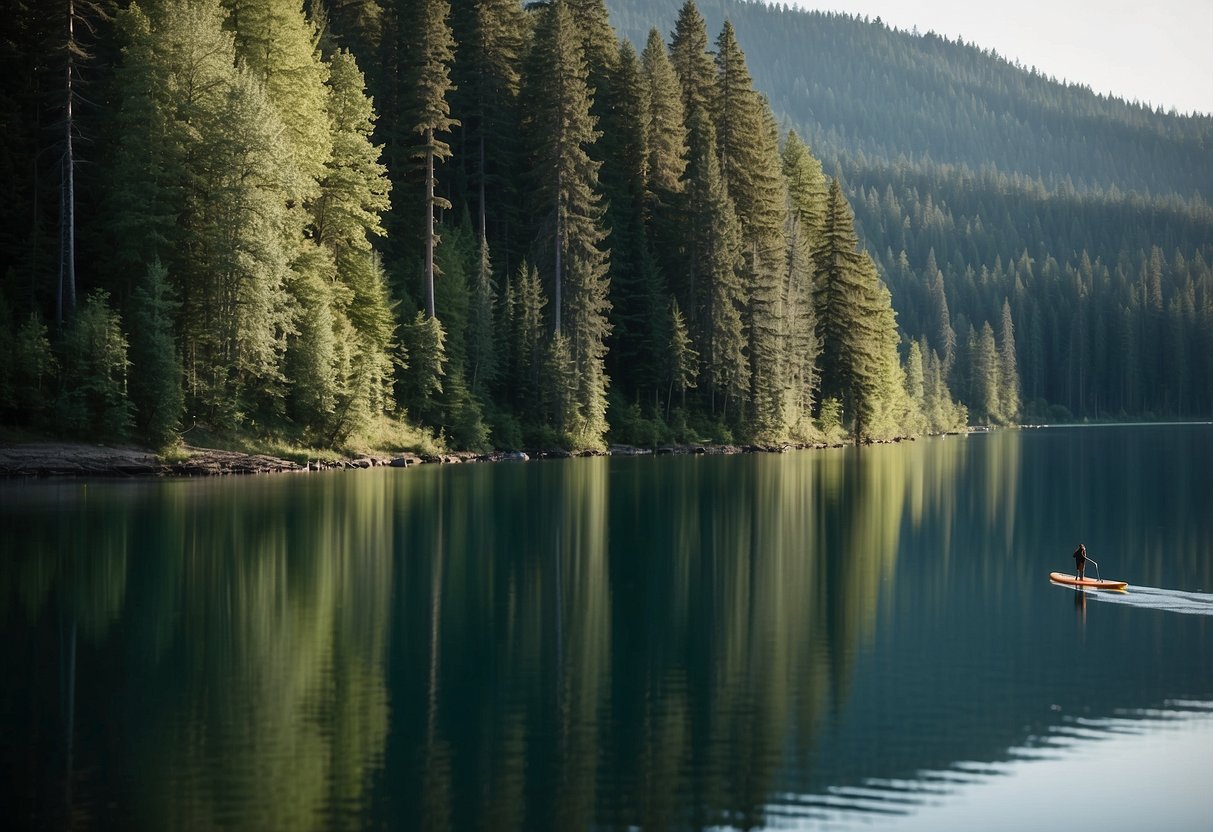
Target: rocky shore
{"type": "Point", "coordinates": [70, 459]}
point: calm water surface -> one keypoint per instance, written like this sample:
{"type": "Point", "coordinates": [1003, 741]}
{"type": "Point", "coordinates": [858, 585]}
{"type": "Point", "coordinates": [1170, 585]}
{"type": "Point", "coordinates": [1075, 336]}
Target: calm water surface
{"type": "Point", "coordinates": [850, 639]}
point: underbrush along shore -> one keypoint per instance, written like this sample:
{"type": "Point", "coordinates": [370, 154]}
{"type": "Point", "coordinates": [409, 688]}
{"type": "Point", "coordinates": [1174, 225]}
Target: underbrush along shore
{"type": "Point", "coordinates": [79, 459]}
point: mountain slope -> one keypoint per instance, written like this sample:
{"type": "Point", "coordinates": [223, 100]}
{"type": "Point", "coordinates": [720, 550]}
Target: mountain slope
{"type": "Point", "coordinates": [856, 88]}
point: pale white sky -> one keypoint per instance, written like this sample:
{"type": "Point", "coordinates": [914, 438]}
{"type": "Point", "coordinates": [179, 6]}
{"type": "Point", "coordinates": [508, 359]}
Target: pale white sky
{"type": "Point", "coordinates": [1159, 52]}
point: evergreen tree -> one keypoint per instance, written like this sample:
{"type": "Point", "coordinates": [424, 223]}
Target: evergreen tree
{"type": "Point", "coordinates": [571, 229]}
{"type": "Point", "coordinates": [682, 360]}
{"type": "Point", "coordinates": [487, 75]}
{"type": "Point", "coordinates": [712, 285]}
{"type": "Point", "coordinates": [155, 381]}
{"type": "Point", "coordinates": [425, 342]}
{"type": "Point", "coordinates": [799, 325]}
{"type": "Point", "coordinates": [806, 186]}
{"type": "Point", "coordinates": [92, 400]}
{"type": "Point", "coordinates": [634, 279]}
{"type": "Point", "coordinates": [664, 123]}
{"type": "Point", "coordinates": [847, 315]}
{"type": "Point", "coordinates": [220, 142]}
{"type": "Point", "coordinates": [1009, 394]}
{"type": "Point", "coordinates": [916, 391]}
{"type": "Point", "coordinates": [692, 62]}
{"type": "Point", "coordinates": [986, 383]}
{"type": "Point", "coordinates": [523, 339]}
{"type": "Point", "coordinates": [431, 50]}
{"type": "Point", "coordinates": [278, 45]}
{"type": "Point", "coordinates": [34, 368]}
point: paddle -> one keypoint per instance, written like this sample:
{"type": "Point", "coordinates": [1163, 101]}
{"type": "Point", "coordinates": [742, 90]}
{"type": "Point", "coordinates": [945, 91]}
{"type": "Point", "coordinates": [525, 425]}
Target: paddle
{"type": "Point", "coordinates": [1096, 568]}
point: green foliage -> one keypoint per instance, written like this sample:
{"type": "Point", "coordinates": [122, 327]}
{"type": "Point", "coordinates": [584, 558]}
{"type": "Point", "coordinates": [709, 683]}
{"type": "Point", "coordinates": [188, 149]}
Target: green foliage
{"type": "Point", "coordinates": [683, 262]}
{"type": "Point", "coordinates": [682, 360]}
{"type": "Point", "coordinates": [92, 401]}
{"type": "Point", "coordinates": [571, 224]}
{"type": "Point", "coordinates": [425, 343]}
{"type": "Point", "coordinates": [156, 372]}
{"type": "Point", "coordinates": [34, 367]}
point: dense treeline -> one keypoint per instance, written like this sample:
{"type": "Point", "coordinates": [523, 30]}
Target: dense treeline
{"type": "Point", "coordinates": [507, 225]}
{"type": "Point", "coordinates": [978, 183]}
{"type": "Point", "coordinates": [579, 238]}
{"type": "Point", "coordinates": [858, 88]}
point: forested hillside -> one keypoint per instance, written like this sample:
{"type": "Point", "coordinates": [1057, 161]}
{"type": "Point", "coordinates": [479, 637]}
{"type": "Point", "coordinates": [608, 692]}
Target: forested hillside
{"type": "Point", "coordinates": [319, 222]}
{"type": "Point", "coordinates": [976, 181]}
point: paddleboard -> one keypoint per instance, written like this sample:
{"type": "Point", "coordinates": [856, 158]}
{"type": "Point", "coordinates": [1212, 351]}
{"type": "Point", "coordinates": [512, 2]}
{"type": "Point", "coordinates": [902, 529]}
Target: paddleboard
{"type": "Point", "coordinates": [1093, 583]}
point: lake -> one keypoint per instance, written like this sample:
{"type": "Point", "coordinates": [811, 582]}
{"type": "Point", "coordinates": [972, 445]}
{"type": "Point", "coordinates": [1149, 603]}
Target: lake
{"type": "Point", "coordinates": [844, 639]}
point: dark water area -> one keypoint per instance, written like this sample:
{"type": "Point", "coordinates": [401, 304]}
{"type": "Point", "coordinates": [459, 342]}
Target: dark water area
{"type": "Point", "coordinates": [847, 639]}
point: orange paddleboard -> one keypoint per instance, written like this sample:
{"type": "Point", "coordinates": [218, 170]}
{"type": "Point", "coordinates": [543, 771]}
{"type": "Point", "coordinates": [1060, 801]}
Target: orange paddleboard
{"type": "Point", "coordinates": [1070, 580]}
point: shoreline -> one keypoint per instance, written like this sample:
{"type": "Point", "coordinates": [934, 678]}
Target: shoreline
{"type": "Point", "coordinates": [79, 459]}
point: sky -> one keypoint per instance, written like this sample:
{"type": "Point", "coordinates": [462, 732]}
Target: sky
{"type": "Point", "coordinates": [1159, 53]}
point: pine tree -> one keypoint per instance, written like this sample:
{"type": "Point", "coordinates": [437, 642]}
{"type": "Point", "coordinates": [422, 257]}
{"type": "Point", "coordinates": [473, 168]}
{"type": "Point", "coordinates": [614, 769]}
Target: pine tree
{"type": "Point", "coordinates": [664, 123]}
{"type": "Point", "coordinates": [278, 45]}
{"type": "Point", "coordinates": [984, 363]}
{"type": "Point", "coordinates": [799, 323]}
{"type": "Point", "coordinates": [916, 390]}
{"type": "Point", "coordinates": [1009, 395]}
{"type": "Point", "coordinates": [634, 279]}
{"type": "Point", "coordinates": [806, 186]}
{"type": "Point", "coordinates": [220, 147]}
{"type": "Point", "coordinates": [523, 339]}
{"type": "Point", "coordinates": [665, 136]}
{"type": "Point", "coordinates": [34, 368]}
{"type": "Point", "coordinates": [425, 342]}
{"type": "Point", "coordinates": [712, 285]}
{"type": "Point", "coordinates": [682, 360]}
{"type": "Point", "coordinates": [487, 75]}
{"type": "Point", "coordinates": [155, 379]}
{"type": "Point", "coordinates": [92, 399]}
{"type": "Point", "coordinates": [431, 50]}
{"type": "Point", "coordinates": [848, 315]}
{"type": "Point", "coordinates": [692, 62]}
{"type": "Point", "coordinates": [566, 186]}
{"type": "Point", "coordinates": [483, 364]}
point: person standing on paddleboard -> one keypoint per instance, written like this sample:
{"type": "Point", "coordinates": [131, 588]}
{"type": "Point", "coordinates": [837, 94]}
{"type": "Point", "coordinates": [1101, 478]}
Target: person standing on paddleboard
{"type": "Point", "coordinates": [1080, 560]}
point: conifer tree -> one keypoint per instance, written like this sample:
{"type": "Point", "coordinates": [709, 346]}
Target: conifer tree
{"type": "Point", "coordinates": [431, 50]}
{"type": "Point", "coordinates": [799, 324]}
{"type": "Point", "coordinates": [487, 75]}
{"type": "Point", "coordinates": [155, 381]}
{"type": "Point", "coordinates": [806, 186]}
{"type": "Point", "coordinates": [347, 214]}
{"type": "Point", "coordinates": [692, 62]}
{"type": "Point", "coordinates": [34, 368]}
{"type": "Point", "coordinates": [634, 278]}
{"type": "Point", "coordinates": [566, 186]}
{"type": "Point", "coordinates": [1009, 394]}
{"type": "Point", "coordinates": [230, 181]}
{"type": "Point", "coordinates": [278, 45]}
{"type": "Point", "coordinates": [682, 361]}
{"type": "Point", "coordinates": [93, 380]}
{"type": "Point", "coordinates": [522, 334]}
{"type": "Point", "coordinates": [984, 363]}
{"type": "Point", "coordinates": [664, 123]}
{"type": "Point", "coordinates": [712, 285]}
{"type": "Point", "coordinates": [847, 315]}
{"type": "Point", "coordinates": [665, 135]}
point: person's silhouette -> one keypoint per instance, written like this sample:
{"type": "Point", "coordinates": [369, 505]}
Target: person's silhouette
{"type": "Point", "coordinates": [1080, 560]}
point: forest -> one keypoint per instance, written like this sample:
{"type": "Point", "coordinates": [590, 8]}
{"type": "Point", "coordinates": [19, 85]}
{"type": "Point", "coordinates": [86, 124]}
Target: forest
{"type": "Point", "coordinates": [977, 182]}
{"type": "Point", "coordinates": [360, 222]}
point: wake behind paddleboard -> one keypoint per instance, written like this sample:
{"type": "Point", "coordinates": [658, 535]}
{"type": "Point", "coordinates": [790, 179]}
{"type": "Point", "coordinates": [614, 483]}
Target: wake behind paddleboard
{"type": "Point", "coordinates": [1091, 583]}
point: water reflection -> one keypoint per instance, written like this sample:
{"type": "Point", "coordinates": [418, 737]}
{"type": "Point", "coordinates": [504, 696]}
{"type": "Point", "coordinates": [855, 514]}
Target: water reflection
{"type": "Point", "coordinates": [654, 643]}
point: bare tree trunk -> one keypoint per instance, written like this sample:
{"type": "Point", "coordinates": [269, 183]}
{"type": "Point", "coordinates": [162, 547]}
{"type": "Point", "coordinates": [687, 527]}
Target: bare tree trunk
{"type": "Point", "coordinates": [65, 298]}
{"type": "Point", "coordinates": [559, 247]}
{"type": "Point", "coordinates": [429, 223]}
